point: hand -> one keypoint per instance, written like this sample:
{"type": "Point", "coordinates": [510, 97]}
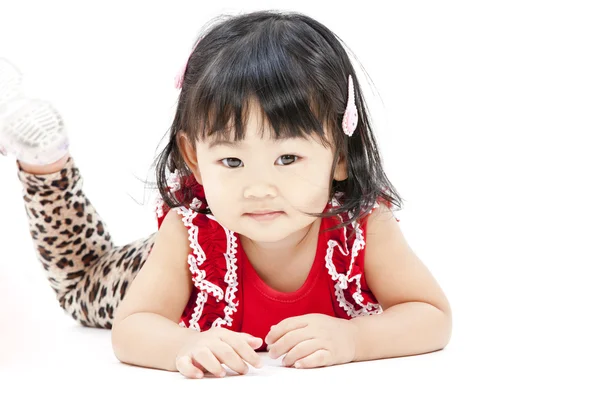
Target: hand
{"type": "Point", "coordinates": [313, 340]}
{"type": "Point", "coordinates": [206, 351]}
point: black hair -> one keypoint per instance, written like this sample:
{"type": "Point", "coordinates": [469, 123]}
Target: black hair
{"type": "Point", "coordinates": [297, 70]}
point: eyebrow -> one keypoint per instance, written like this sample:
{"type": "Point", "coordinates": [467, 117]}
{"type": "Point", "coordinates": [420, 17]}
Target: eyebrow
{"type": "Point", "coordinates": [226, 143]}
{"type": "Point", "coordinates": [239, 144]}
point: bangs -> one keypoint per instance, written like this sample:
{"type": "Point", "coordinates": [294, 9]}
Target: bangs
{"type": "Point", "coordinates": [257, 71]}
{"type": "Point", "coordinates": [291, 73]}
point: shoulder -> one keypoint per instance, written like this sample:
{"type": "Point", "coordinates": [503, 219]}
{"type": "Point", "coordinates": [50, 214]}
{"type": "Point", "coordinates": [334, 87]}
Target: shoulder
{"type": "Point", "coordinates": [187, 194]}
{"type": "Point", "coordinates": [380, 214]}
{"type": "Point", "coordinates": [394, 272]}
{"type": "Point", "coordinates": [172, 228]}
{"type": "Point", "coordinates": [382, 227]}
{"type": "Point", "coordinates": [163, 285]}
{"type": "Point", "coordinates": [375, 229]}
{"type": "Point", "coordinates": [385, 248]}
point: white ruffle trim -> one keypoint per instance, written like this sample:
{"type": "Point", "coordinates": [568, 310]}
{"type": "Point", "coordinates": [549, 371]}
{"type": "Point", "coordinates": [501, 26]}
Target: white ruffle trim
{"type": "Point", "coordinates": [206, 287]}
{"type": "Point", "coordinates": [342, 280]}
{"type": "Point", "coordinates": [230, 278]}
{"type": "Point", "coordinates": [174, 181]}
{"type": "Point", "coordinates": [158, 207]}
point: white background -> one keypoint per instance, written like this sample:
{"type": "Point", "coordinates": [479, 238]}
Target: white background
{"type": "Point", "coordinates": [487, 114]}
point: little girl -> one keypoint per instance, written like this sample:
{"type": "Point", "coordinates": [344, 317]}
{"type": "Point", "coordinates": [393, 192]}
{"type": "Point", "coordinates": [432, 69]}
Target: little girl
{"type": "Point", "coordinates": [276, 229]}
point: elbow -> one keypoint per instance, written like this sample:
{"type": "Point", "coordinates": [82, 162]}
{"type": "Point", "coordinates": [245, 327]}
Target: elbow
{"type": "Point", "coordinates": [441, 327]}
{"type": "Point", "coordinates": [117, 340]}
{"type": "Point", "coordinates": [116, 343]}
{"type": "Point", "coordinates": [445, 328]}
{"type": "Point", "coordinates": [445, 323]}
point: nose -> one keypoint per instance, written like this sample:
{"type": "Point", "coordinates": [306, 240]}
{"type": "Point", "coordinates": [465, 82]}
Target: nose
{"type": "Point", "coordinates": [258, 190]}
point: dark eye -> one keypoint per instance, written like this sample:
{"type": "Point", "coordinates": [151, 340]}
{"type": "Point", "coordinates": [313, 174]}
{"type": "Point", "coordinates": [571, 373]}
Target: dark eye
{"type": "Point", "coordinates": [287, 159]}
{"type": "Point", "coordinates": [232, 162]}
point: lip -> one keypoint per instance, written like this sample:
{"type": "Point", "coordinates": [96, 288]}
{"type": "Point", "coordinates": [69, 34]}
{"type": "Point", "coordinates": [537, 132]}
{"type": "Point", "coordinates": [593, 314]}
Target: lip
{"type": "Point", "coordinates": [265, 215]}
{"type": "Point", "coordinates": [265, 211]}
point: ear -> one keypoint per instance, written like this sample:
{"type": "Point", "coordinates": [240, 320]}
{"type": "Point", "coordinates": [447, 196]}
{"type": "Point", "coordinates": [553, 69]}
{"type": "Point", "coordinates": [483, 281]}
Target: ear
{"type": "Point", "coordinates": [341, 169]}
{"type": "Point", "coordinates": [189, 155]}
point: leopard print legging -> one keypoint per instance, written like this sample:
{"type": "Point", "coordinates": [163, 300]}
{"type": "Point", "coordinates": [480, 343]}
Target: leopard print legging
{"type": "Point", "coordinates": [89, 274]}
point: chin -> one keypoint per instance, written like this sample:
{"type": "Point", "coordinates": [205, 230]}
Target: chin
{"type": "Point", "coordinates": [265, 236]}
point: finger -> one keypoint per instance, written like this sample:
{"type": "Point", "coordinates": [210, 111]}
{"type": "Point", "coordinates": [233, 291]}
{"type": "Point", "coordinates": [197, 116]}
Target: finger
{"type": "Point", "coordinates": [288, 341]}
{"type": "Point", "coordinates": [320, 358]}
{"type": "Point", "coordinates": [227, 335]}
{"type": "Point", "coordinates": [187, 368]}
{"type": "Point", "coordinates": [284, 327]}
{"type": "Point", "coordinates": [253, 341]}
{"type": "Point", "coordinates": [209, 362]}
{"type": "Point", "coordinates": [240, 345]}
{"type": "Point", "coordinates": [228, 356]}
{"type": "Point", "coordinates": [300, 351]}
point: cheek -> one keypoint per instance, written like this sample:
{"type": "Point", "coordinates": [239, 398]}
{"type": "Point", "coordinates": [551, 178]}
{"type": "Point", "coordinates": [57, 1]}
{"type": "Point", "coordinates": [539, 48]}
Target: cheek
{"type": "Point", "coordinates": [222, 205]}
{"type": "Point", "coordinates": [219, 194]}
{"type": "Point", "coordinates": [309, 191]}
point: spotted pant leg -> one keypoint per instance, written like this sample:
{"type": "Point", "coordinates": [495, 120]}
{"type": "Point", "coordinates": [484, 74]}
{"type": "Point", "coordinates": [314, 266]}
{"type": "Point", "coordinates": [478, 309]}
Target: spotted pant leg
{"type": "Point", "coordinates": [88, 273]}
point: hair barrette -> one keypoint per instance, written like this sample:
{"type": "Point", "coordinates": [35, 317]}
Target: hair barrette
{"type": "Point", "coordinates": [181, 73]}
{"type": "Point", "coordinates": [350, 120]}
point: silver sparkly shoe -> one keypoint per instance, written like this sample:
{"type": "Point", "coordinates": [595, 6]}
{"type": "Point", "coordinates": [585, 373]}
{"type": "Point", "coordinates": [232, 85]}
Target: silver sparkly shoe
{"type": "Point", "coordinates": [30, 129]}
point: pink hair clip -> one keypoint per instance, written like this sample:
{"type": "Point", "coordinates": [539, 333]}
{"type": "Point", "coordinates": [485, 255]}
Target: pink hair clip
{"type": "Point", "coordinates": [179, 76]}
{"type": "Point", "coordinates": [181, 73]}
{"type": "Point", "coordinates": [350, 121]}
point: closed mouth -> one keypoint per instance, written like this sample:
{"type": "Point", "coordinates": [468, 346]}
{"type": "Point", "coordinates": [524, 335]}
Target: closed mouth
{"type": "Point", "coordinates": [265, 215]}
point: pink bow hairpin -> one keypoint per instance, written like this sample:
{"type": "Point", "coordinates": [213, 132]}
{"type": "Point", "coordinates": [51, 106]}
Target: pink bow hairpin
{"type": "Point", "coordinates": [179, 76]}
{"type": "Point", "coordinates": [181, 73]}
{"type": "Point", "coordinates": [350, 120]}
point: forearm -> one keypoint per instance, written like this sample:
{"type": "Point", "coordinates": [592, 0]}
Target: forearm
{"type": "Point", "coordinates": [149, 340]}
{"type": "Point", "coordinates": [402, 330]}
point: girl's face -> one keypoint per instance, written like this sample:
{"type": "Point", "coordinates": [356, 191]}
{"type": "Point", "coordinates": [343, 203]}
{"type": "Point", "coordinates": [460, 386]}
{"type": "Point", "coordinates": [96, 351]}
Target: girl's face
{"type": "Point", "coordinates": [261, 174]}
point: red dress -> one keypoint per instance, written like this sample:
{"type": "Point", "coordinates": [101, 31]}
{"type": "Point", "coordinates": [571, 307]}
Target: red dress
{"type": "Point", "coordinates": [229, 293]}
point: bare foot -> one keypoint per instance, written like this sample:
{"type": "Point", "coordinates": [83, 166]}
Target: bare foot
{"type": "Point", "coordinates": [44, 169]}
